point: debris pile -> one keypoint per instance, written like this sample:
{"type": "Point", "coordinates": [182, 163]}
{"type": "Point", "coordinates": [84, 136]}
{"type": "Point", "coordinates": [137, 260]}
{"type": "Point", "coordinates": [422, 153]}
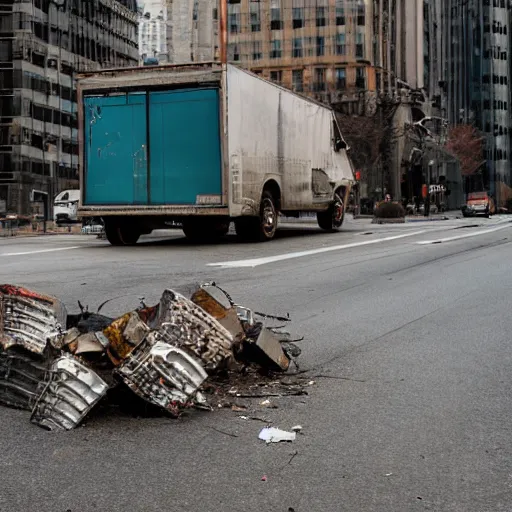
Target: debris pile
{"type": "Point", "coordinates": [60, 366]}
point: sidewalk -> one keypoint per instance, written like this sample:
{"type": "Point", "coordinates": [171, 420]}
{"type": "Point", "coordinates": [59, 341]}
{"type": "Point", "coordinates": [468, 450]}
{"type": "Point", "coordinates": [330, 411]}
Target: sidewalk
{"type": "Point", "coordinates": [27, 231]}
{"type": "Point", "coordinates": [311, 218]}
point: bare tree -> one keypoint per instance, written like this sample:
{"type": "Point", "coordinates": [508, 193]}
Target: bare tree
{"type": "Point", "coordinates": [373, 139]}
{"type": "Point", "coordinates": [467, 145]}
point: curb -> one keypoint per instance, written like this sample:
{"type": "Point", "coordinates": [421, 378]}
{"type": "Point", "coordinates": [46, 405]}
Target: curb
{"type": "Point", "coordinates": [388, 221]}
{"type": "Point", "coordinates": [427, 220]}
{"type": "Point", "coordinates": [37, 235]}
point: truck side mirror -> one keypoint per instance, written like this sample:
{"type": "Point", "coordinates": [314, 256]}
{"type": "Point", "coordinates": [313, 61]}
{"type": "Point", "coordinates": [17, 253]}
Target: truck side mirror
{"type": "Point", "coordinates": [339, 144]}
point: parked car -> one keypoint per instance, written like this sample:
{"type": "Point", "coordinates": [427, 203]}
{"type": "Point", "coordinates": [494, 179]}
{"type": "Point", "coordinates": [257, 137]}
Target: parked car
{"type": "Point", "coordinates": [479, 203]}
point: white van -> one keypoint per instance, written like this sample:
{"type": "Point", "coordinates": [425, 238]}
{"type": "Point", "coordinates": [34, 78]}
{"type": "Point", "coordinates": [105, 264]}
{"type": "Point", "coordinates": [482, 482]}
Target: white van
{"type": "Point", "coordinates": [65, 207]}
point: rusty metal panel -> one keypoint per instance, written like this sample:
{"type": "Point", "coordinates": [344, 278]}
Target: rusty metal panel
{"type": "Point", "coordinates": [124, 335]}
{"type": "Point", "coordinates": [189, 327]}
{"type": "Point", "coordinates": [162, 211]}
{"type": "Point", "coordinates": [29, 319]}
{"type": "Point", "coordinates": [149, 76]}
{"type": "Point", "coordinates": [162, 374]}
{"type": "Point", "coordinates": [71, 392]}
{"type": "Point", "coordinates": [224, 313]}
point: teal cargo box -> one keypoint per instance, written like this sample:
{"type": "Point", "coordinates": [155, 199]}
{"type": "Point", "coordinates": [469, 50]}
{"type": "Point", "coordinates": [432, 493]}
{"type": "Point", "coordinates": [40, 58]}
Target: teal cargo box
{"type": "Point", "coordinates": [152, 148]}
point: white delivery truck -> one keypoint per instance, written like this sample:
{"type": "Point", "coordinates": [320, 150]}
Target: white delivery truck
{"type": "Point", "coordinates": [65, 207]}
{"type": "Point", "coordinates": [204, 145]}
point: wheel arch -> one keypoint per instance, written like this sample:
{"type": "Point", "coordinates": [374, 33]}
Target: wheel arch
{"type": "Point", "coordinates": [272, 186]}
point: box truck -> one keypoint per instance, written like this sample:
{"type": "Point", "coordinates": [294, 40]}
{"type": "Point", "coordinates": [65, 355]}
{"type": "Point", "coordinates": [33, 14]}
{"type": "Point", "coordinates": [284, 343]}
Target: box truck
{"type": "Point", "coordinates": [204, 145]}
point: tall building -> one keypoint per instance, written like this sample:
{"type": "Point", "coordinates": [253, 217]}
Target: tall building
{"type": "Point", "coordinates": [192, 30]}
{"type": "Point", "coordinates": [153, 29]}
{"type": "Point", "coordinates": [42, 44]}
{"type": "Point", "coordinates": [328, 49]}
{"type": "Point", "coordinates": [478, 61]}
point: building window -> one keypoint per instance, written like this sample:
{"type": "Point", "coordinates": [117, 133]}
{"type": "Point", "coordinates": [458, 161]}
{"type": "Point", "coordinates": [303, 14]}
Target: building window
{"type": "Point", "coordinates": [255, 16]}
{"type": "Point", "coordinates": [341, 78]}
{"type": "Point", "coordinates": [361, 21]}
{"type": "Point", "coordinates": [340, 12]}
{"type": "Point", "coordinates": [277, 77]}
{"type": "Point", "coordinates": [298, 17]}
{"type": "Point", "coordinates": [256, 50]}
{"type": "Point", "coordinates": [298, 80]}
{"type": "Point", "coordinates": [234, 18]}
{"type": "Point", "coordinates": [319, 84]}
{"type": "Point", "coordinates": [275, 52]}
{"type": "Point", "coordinates": [360, 45]}
{"type": "Point", "coordinates": [361, 78]}
{"type": "Point", "coordinates": [321, 15]}
{"type": "Point", "coordinates": [276, 22]}
{"type": "Point", "coordinates": [320, 46]}
{"type": "Point", "coordinates": [339, 45]}
{"type": "Point", "coordinates": [233, 52]}
{"type": "Point", "coordinates": [297, 48]}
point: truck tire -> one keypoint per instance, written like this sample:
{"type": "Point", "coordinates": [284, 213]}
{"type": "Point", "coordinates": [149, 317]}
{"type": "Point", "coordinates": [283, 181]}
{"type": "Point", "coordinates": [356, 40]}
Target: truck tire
{"type": "Point", "coordinates": [262, 228]}
{"type": "Point", "coordinates": [332, 218]}
{"type": "Point", "coordinates": [118, 233]}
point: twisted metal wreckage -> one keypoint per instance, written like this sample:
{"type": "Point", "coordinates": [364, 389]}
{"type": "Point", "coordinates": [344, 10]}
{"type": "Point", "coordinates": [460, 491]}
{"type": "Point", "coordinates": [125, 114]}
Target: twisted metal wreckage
{"type": "Point", "coordinates": [60, 366]}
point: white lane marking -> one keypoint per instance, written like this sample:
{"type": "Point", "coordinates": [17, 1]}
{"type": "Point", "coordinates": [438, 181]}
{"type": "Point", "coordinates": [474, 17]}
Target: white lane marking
{"type": "Point", "coordinates": [256, 262]}
{"type": "Point", "coordinates": [41, 251]}
{"type": "Point", "coordinates": [467, 235]}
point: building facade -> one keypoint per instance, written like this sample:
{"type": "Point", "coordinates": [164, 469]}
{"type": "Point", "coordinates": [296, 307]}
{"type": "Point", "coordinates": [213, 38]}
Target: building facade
{"type": "Point", "coordinates": [153, 29]}
{"type": "Point", "coordinates": [327, 49]}
{"type": "Point", "coordinates": [43, 43]}
{"type": "Point", "coordinates": [477, 83]}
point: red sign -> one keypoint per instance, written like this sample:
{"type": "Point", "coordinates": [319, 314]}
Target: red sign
{"type": "Point", "coordinates": [358, 175]}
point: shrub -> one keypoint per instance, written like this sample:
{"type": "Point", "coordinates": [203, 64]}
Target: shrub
{"type": "Point", "coordinates": [389, 211]}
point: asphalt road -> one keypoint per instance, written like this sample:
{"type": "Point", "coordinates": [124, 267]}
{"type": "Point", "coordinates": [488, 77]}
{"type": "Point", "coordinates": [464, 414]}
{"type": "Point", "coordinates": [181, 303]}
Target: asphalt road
{"type": "Point", "coordinates": [407, 342]}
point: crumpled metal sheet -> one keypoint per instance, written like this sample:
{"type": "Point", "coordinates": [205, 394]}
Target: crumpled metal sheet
{"type": "Point", "coordinates": [124, 335]}
{"type": "Point", "coordinates": [71, 391]}
{"type": "Point", "coordinates": [208, 298]}
{"type": "Point", "coordinates": [267, 351]}
{"type": "Point", "coordinates": [162, 374]}
{"type": "Point", "coordinates": [21, 375]}
{"type": "Point", "coordinates": [29, 319]}
{"type": "Point", "coordinates": [189, 327]}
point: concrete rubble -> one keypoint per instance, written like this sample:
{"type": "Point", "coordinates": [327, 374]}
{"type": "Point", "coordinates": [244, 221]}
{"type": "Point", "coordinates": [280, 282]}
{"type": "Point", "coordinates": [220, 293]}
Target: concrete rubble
{"type": "Point", "coordinates": [60, 367]}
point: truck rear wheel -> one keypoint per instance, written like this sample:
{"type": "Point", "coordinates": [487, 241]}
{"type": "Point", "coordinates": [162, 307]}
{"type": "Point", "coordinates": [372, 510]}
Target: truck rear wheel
{"type": "Point", "coordinates": [332, 218]}
{"type": "Point", "coordinates": [118, 233]}
{"type": "Point", "coordinates": [262, 228]}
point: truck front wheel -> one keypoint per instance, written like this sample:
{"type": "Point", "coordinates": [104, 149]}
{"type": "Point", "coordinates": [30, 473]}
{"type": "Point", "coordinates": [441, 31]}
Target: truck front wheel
{"type": "Point", "coordinates": [118, 233]}
{"type": "Point", "coordinates": [332, 218]}
{"type": "Point", "coordinates": [262, 228]}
